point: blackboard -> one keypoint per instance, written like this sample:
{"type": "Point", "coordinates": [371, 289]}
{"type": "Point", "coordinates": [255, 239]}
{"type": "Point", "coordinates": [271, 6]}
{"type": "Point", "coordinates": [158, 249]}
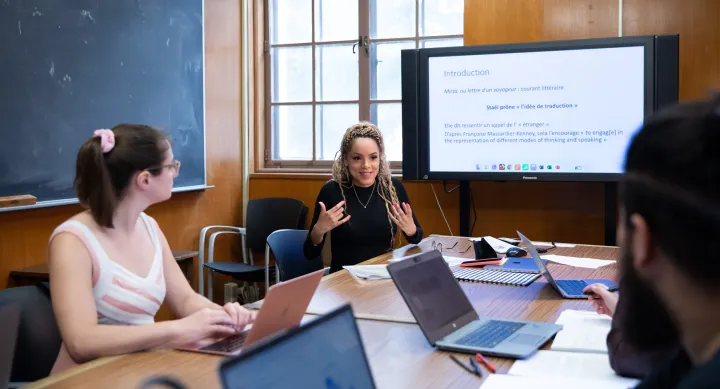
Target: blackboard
{"type": "Point", "coordinates": [68, 67]}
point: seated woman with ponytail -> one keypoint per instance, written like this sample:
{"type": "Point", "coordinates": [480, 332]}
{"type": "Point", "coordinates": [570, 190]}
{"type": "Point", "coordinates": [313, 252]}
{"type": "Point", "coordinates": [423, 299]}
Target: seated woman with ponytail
{"type": "Point", "coordinates": [111, 267]}
{"type": "Point", "coordinates": [363, 205]}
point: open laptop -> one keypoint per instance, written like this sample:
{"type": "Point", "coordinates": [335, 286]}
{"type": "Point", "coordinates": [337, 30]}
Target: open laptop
{"type": "Point", "coordinates": [448, 319]}
{"type": "Point", "coordinates": [283, 308]}
{"type": "Point", "coordinates": [570, 289]}
{"type": "Point", "coordinates": [326, 353]}
{"type": "Point", "coordinates": [10, 314]}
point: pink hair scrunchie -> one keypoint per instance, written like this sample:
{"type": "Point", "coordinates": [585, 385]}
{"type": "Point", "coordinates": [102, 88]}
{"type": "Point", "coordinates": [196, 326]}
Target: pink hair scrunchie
{"type": "Point", "coordinates": [107, 139]}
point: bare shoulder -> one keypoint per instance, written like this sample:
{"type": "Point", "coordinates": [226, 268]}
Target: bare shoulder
{"type": "Point", "coordinates": [155, 225]}
{"type": "Point", "coordinates": [67, 248]}
{"type": "Point", "coordinates": [67, 245]}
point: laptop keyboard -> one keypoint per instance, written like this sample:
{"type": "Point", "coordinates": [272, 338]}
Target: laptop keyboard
{"type": "Point", "coordinates": [490, 334]}
{"type": "Point", "coordinates": [229, 344]}
{"type": "Point", "coordinates": [572, 287]}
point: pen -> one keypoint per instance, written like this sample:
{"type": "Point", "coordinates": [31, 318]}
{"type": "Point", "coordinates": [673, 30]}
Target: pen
{"type": "Point", "coordinates": [476, 366]}
{"type": "Point", "coordinates": [485, 362]}
{"type": "Point", "coordinates": [610, 289]}
{"type": "Point", "coordinates": [464, 366]}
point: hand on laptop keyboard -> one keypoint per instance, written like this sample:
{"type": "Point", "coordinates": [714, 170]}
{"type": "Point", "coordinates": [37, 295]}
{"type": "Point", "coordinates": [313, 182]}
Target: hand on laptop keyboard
{"type": "Point", "coordinates": [239, 315]}
{"type": "Point", "coordinates": [603, 300]}
{"type": "Point", "coordinates": [203, 324]}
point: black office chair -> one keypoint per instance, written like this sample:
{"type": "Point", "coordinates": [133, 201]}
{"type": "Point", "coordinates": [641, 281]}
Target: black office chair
{"type": "Point", "coordinates": [290, 261]}
{"type": "Point", "coordinates": [38, 338]}
{"type": "Point", "coordinates": [264, 216]}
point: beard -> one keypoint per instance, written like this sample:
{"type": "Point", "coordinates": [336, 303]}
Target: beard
{"type": "Point", "coordinates": [647, 324]}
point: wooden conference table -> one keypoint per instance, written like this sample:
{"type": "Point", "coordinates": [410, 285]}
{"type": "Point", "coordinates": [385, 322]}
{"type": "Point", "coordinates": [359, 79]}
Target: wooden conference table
{"type": "Point", "coordinates": [399, 354]}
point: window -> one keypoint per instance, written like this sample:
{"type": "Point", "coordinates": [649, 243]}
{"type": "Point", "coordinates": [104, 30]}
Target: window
{"type": "Point", "coordinates": [332, 63]}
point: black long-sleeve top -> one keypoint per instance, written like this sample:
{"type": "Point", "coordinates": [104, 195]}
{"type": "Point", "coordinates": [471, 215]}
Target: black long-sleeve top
{"type": "Point", "coordinates": [625, 359]}
{"type": "Point", "coordinates": [367, 234]}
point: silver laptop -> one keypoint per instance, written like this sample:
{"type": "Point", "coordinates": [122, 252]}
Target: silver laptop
{"type": "Point", "coordinates": [569, 289]}
{"type": "Point", "coordinates": [448, 319]}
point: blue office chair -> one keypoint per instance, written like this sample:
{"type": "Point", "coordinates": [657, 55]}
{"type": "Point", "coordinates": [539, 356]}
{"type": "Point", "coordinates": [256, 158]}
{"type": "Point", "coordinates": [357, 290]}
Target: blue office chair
{"type": "Point", "coordinates": [290, 261]}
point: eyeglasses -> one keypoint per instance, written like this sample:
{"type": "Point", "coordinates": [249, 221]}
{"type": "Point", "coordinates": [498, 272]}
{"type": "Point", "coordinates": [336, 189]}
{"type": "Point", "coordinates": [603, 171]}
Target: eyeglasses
{"type": "Point", "coordinates": [438, 246]}
{"type": "Point", "coordinates": [174, 166]}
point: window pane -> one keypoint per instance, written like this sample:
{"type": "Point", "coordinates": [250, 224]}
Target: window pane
{"type": "Point", "coordinates": [441, 17]}
{"type": "Point", "coordinates": [331, 122]}
{"type": "Point", "coordinates": [426, 44]}
{"type": "Point", "coordinates": [337, 73]}
{"type": "Point", "coordinates": [385, 69]}
{"type": "Point", "coordinates": [388, 118]}
{"type": "Point", "coordinates": [336, 20]}
{"type": "Point", "coordinates": [392, 19]}
{"type": "Point", "coordinates": [292, 128]}
{"type": "Point", "coordinates": [291, 74]}
{"type": "Point", "coordinates": [290, 21]}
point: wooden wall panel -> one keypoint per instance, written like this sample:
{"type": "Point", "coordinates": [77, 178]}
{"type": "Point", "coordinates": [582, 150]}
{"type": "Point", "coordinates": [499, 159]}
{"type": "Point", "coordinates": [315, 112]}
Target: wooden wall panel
{"type": "Point", "coordinates": [510, 21]}
{"type": "Point", "coordinates": [698, 23]}
{"type": "Point", "coordinates": [24, 234]}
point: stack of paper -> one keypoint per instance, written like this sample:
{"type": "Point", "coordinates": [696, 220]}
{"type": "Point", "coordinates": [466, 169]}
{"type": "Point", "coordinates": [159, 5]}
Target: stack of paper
{"type": "Point", "coordinates": [588, 263]}
{"type": "Point", "coordinates": [583, 331]}
{"type": "Point", "coordinates": [368, 272]}
{"type": "Point", "coordinates": [562, 365]}
{"type": "Point", "coordinates": [451, 261]}
{"type": "Point", "coordinates": [577, 359]}
{"type": "Point", "coordinates": [505, 381]}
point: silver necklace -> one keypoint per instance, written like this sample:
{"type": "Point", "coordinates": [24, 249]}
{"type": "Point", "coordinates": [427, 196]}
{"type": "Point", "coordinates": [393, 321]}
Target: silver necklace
{"type": "Point", "coordinates": [369, 198]}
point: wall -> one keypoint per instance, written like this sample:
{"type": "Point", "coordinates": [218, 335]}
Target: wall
{"type": "Point", "coordinates": [569, 212]}
{"type": "Point", "coordinates": [24, 234]}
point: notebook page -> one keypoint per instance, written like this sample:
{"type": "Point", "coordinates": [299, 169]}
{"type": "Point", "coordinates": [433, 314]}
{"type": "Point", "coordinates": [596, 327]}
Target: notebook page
{"type": "Point", "coordinates": [583, 331]}
{"type": "Point", "coordinates": [558, 364]}
{"type": "Point", "coordinates": [504, 381]}
{"type": "Point", "coordinates": [588, 263]}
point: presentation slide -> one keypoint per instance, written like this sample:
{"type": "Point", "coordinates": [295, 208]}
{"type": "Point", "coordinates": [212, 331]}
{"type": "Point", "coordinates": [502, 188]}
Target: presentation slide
{"type": "Point", "coordinates": [565, 111]}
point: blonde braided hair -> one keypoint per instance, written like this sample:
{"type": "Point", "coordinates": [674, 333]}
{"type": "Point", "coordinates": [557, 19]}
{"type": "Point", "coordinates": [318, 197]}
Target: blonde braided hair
{"type": "Point", "coordinates": [383, 182]}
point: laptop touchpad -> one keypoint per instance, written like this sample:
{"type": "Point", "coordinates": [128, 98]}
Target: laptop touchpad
{"type": "Point", "coordinates": [527, 339]}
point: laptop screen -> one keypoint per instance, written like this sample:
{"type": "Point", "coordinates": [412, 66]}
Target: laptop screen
{"type": "Point", "coordinates": [536, 256]}
{"type": "Point", "coordinates": [327, 353]}
{"type": "Point", "coordinates": [433, 295]}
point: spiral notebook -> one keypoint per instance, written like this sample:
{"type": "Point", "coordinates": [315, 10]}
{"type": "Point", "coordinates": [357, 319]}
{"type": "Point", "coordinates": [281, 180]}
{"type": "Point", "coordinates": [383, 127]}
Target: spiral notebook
{"type": "Point", "coordinates": [500, 277]}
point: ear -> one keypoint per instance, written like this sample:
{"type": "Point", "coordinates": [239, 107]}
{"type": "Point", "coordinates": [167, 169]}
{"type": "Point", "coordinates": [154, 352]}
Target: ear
{"type": "Point", "coordinates": [142, 179]}
{"type": "Point", "coordinates": [643, 250]}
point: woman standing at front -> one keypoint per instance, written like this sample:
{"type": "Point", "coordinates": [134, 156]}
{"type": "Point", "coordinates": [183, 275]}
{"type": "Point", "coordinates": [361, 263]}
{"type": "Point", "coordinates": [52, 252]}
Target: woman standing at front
{"type": "Point", "coordinates": [363, 205]}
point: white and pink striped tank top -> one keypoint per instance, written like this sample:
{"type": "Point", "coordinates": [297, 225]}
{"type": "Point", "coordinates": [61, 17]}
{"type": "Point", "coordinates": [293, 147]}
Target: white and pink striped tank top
{"type": "Point", "coordinates": [121, 296]}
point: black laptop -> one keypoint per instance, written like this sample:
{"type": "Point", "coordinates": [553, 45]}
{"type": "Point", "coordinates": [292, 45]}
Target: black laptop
{"type": "Point", "coordinates": [448, 319]}
{"type": "Point", "coordinates": [325, 353]}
